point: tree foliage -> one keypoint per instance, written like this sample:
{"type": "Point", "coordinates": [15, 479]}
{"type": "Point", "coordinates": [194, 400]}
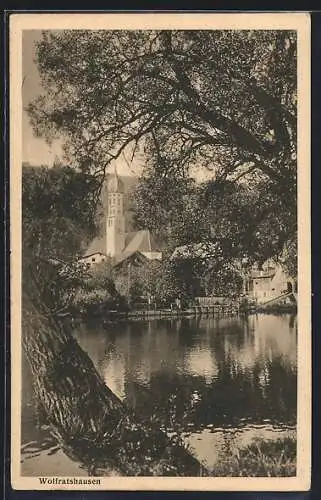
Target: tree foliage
{"type": "Point", "coordinates": [97, 294]}
{"type": "Point", "coordinates": [221, 99]}
{"type": "Point", "coordinates": [247, 221]}
{"type": "Point", "coordinates": [57, 220]}
{"type": "Point", "coordinates": [169, 207]}
{"type": "Point", "coordinates": [58, 215]}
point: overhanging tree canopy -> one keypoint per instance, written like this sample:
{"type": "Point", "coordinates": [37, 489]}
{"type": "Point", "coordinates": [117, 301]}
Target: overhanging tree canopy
{"type": "Point", "coordinates": [219, 99]}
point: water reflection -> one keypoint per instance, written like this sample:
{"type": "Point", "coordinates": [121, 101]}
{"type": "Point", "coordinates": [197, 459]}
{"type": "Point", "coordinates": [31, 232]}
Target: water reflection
{"type": "Point", "coordinates": [220, 382]}
{"type": "Point", "coordinates": [202, 371]}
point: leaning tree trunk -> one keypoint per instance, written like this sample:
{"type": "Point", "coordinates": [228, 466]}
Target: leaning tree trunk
{"type": "Point", "coordinates": [89, 421]}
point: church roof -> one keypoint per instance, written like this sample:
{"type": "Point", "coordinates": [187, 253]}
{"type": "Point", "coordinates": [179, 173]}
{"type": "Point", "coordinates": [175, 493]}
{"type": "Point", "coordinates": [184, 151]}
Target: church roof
{"type": "Point", "coordinates": [115, 184]}
{"type": "Point", "coordinates": [140, 241]}
{"type": "Point", "coordinates": [135, 241]}
{"type": "Point", "coordinates": [98, 245]}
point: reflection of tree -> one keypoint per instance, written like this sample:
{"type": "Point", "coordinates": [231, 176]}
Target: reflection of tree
{"type": "Point", "coordinates": [234, 395]}
{"type": "Point", "coordinates": [208, 371]}
{"type": "Point", "coordinates": [89, 422]}
{"type": "Point", "coordinates": [292, 321]}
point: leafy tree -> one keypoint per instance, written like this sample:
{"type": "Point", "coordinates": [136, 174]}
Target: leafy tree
{"type": "Point", "coordinates": [58, 214]}
{"type": "Point", "coordinates": [289, 258]}
{"type": "Point", "coordinates": [167, 205]}
{"type": "Point", "coordinates": [205, 269]}
{"type": "Point", "coordinates": [223, 100]}
{"type": "Point", "coordinates": [220, 99]}
{"type": "Point", "coordinates": [101, 275]}
{"type": "Point", "coordinates": [221, 279]}
{"type": "Point", "coordinates": [249, 221]}
{"type": "Point", "coordinates": [57, 220]}
{"type": "Point", "coordinates": [140, 283]}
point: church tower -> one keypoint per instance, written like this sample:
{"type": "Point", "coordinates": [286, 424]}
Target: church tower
{"type": "Point", "coordinates": [115, 220]}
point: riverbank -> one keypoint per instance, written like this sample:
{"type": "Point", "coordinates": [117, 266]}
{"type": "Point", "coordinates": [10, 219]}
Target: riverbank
{"type": "Point", "coordinates": [261, 459]}
{"type": "Point", "coordinates": [230, 307]}
{"type": "Point", "coordinates": [278, 309]}
{"type": "Point", "coordinates": [191, 312]}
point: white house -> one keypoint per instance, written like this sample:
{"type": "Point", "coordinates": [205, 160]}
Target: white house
{"type": "Point", "coordinates": [268, 283]}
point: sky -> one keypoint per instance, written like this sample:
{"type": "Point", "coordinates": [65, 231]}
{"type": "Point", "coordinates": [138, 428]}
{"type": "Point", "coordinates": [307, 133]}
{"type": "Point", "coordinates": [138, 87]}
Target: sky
{"type": "Point", "coordinates": [34, 150]}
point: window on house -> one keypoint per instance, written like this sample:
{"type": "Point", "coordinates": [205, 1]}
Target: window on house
{"type": "Point", "coordinates": [93, 259]}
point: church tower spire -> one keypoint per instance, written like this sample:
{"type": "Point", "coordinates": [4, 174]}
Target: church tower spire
{"type": "Point", "coordinates": [115, 220]}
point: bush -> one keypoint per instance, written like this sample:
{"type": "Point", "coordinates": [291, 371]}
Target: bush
{"type": "Point", "coordinates": [97, 301]}
{"type": "Point", "coordinates": [261, 459]}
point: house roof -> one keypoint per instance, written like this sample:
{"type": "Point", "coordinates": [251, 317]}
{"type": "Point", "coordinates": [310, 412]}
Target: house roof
{"type": "Point", "coordinates": [123, 256]}
{"type": "Point", "coordinates": [262, 274]}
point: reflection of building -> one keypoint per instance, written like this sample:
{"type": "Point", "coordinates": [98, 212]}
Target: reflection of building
{"type": "Point", "coordinates": [268, 283]}
{"type": "Point", "coordinates": [114, 241]}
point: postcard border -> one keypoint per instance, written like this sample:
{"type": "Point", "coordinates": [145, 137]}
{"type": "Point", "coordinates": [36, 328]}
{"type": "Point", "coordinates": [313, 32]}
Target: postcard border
{"type": "Point", "coordinates": [301, 21]}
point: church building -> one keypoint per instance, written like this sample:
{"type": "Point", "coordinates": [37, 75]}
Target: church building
{"type": "Point", "coordinates": [124, 247]}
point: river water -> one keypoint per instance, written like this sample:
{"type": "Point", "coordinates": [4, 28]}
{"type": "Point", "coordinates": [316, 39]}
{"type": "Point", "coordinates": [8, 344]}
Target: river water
{"type": "Point", "coordinates": [220, 382]}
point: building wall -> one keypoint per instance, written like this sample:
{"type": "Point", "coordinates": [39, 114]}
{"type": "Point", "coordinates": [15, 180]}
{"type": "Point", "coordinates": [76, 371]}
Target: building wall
{"type": "Point", "coordinates": [129, 184]}
{"type": "Point", "coordinates": [261, 288]}
{"type": "Point", "coordinates": [91, 260]}
{"type": "Point", "coordinates": [280, 281]}
{"type": "Point", "coordinates": [115, 224]}
{"type": "Point", "coordinates": [266, 288]}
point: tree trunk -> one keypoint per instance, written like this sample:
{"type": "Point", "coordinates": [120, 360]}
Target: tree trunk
{"type": "Point", "coordinates": [91, 424]}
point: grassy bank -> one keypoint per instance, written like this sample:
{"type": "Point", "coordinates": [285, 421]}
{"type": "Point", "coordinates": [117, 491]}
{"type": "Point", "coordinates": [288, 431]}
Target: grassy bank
{"type": "Point", "coordinates": [261, 459]}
